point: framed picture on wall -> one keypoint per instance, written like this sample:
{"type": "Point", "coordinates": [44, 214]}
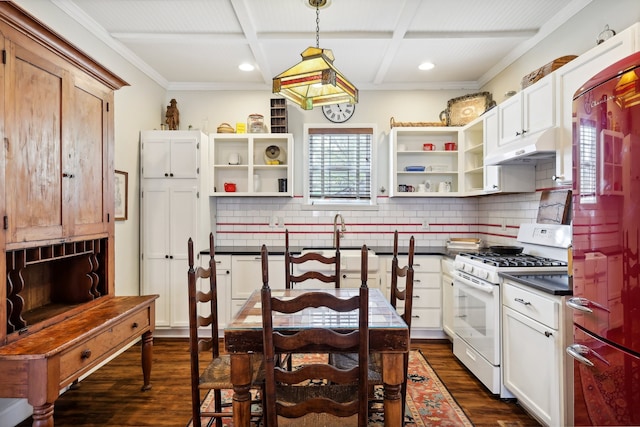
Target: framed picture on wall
{"type": "Point", "coordinates": [121, 195]}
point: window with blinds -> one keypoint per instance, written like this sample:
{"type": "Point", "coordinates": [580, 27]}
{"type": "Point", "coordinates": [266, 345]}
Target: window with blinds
{"type": "Point", "coordinates": [587, 161]}
{"type": "Point", "coordinates": [340, 165]}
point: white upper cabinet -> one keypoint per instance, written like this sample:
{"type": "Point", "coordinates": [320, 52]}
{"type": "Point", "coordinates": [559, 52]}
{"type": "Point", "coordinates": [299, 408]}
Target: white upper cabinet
{"type": "Point", "coordinates": [258, 164]}
{"type": "Point", "coordinates": [424, 162]}
{"type": "Point", "coordinates": [521, 118]}
{"type": "Point", "coordinates": [570, 77]}
{"type": "Point", "coordinates": [170, 154]}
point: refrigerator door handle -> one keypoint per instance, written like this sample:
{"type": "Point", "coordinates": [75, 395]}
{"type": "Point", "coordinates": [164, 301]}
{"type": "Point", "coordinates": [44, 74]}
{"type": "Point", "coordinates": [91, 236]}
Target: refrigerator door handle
{"type": "Point", "coordinates": [583, 304]}
{"type": "Point", "coordinates": [579, 352]}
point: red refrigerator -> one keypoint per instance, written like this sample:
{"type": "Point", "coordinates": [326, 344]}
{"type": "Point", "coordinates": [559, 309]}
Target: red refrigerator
{"type": "Point", "coordinates": [606, 240]}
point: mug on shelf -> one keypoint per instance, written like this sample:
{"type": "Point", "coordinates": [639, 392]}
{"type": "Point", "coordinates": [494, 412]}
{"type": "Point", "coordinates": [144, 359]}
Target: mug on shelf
{"type": "Point", "coordinates": [422, 188]}
{"type": "Point", "coordinates": [428, 146]}
{"type": "Point", "coordinates": [444, 187]}
{"type": "Point", "coordinates": [230, 187]}
{"type": "Point", "coordinates": [234, 159]}
{"type": "Point", "coordinates": [450, 146]}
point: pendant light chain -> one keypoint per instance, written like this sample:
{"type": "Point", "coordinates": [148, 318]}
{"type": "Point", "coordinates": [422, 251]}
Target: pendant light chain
{"type": "Point", "coordinates": [317, 25]}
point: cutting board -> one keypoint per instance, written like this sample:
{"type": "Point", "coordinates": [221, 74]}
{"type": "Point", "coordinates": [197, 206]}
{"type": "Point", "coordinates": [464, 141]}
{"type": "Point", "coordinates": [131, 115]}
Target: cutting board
{"type": "Point", "coordinates": [554, 207]}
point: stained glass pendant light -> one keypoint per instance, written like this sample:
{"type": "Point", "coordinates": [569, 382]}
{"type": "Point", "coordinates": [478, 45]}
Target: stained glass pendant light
{"type": "Point", "coordinates": [314, 81]}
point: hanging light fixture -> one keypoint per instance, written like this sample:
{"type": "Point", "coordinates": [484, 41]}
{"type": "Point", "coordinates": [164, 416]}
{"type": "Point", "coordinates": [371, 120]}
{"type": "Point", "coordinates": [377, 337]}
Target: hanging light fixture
{"type": "Point", "coordinates": [314, 81]}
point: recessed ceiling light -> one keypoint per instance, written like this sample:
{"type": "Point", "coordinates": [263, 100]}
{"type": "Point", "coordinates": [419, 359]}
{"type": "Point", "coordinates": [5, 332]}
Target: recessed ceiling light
{"type": "Point", "coordinates": [426, 66]}
{"type": "Point", "coordinates": [246, 67]}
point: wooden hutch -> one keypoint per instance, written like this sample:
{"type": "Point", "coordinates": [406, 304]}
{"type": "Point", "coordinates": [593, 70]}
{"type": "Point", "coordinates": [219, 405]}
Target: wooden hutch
{"type": "Point", "coordinates": [59, 316]}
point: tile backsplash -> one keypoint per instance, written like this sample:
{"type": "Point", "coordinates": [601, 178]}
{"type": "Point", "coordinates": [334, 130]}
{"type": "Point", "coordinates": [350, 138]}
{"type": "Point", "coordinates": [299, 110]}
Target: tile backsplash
{"type": "Point", "coordinates": [252, 221]}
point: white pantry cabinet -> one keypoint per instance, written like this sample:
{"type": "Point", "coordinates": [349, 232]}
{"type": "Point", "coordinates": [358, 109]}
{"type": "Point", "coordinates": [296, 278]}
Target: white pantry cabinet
{"type": "Point", "coordinates": [170, 188]}
{"type": "Point", "coordinates": [169, 218]}
{"type": "Point", "coordinates": [570, 77]}
{"type": "Point", "coordinates": [170, 154]}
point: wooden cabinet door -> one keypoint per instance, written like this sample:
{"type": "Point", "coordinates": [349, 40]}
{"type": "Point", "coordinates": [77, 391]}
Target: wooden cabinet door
{"type": "Point", "coordinates": [57, 167]}
{"type": "Point", "coordinates": [87, 177]}
{"type": "Point", "coordinates": [33, 122]}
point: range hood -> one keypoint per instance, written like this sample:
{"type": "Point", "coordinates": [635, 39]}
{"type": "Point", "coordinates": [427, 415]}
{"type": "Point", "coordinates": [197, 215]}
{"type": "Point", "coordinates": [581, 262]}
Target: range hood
{"type": "Point", "coordinates": [541, 145]}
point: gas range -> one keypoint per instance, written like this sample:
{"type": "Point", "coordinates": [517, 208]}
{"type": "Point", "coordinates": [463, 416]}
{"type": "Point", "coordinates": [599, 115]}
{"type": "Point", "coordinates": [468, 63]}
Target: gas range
{"type": "Point", "coordinates": [545, 251]}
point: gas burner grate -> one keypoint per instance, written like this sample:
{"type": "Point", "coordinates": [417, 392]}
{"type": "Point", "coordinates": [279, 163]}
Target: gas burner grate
{"type": "Point", "coordinates": [517, 260]}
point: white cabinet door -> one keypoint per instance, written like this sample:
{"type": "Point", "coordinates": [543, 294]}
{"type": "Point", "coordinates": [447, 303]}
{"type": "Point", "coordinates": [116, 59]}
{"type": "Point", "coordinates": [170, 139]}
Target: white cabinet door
{"type": "Point", "coordinates": [526, 113]}
{"type": "Point", "coordinates": [510, 178]}
{"type": "Point", "coordinates": [246, 274]}
{"type": "Point", "coordinates": [531, 351]}
{"type": "Point", "coordinates": [170, 154]}
{"type": "Point", "coordinates": [447, 296]}
{"type": "Point", "coordinates": [571, 77]}
{"type": "Point", "coordinates": [169, 218]}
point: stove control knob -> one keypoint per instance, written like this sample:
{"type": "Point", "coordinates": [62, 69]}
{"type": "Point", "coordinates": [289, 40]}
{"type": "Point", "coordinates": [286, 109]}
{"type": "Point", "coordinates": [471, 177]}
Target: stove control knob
{"type": "Point", "coordinates": [483, 274]}
{"type": "Point", "coordinates": [468, 269]}
{"type": "Point", "coordinates": [459, 265]}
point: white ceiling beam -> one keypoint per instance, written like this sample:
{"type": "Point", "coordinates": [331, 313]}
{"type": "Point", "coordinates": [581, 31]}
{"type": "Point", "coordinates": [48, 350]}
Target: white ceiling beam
{"type": "Point", "coordinates": [248, 27]}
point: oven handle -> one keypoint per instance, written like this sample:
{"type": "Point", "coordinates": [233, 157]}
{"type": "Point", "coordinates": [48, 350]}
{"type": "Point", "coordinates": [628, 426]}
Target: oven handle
{"type": "Point", "coordinates": [475, 284]}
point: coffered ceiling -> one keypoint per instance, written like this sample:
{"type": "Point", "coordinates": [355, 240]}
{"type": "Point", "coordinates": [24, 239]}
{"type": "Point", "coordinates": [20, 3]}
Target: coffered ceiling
{"type": "Point", "coordinates": [377, 44]}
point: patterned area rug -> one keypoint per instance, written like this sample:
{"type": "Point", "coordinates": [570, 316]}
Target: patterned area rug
{"type": "Point", "coordinates": [429, 403]}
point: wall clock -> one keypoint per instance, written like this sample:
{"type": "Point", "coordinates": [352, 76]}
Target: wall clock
{"type": "Point", "coordinates": [339, 113]}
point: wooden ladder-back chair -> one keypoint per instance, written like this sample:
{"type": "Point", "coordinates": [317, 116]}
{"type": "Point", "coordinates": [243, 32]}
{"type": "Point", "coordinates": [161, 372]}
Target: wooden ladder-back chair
{"type": "Point", "coordinates": [403, 294]}
{"type": "Point", "coordinates": [210, 373]}
{"type": "Point", "coordinates": [291, 261]}
{"type": "Point", "coordinates": [290, 394]}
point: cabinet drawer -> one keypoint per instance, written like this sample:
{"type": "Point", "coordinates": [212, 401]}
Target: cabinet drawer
{"type": "Point", "coordinates": [223, 262]}
{"type": "Point", "coordinates": [426, 280]}
{"type": "Point", "coordinates": [430, 264]}
{"type": "Point", "coordinates": [87, 354]}
{"type": "Point", "coordinates": [426, 318]}
{"type": "Point", "coordinates": [535, 306]}
{"type": "Point", "coordinates": [424, 298]}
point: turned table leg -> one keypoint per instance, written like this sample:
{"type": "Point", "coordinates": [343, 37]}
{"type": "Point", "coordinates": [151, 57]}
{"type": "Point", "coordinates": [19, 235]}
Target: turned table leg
{"type": "Point", "coordinates": [241, 374]}
{"type": "Point", "coordinates": [147, 358]}
{"type": "Point", "coordinates": [392, 377]}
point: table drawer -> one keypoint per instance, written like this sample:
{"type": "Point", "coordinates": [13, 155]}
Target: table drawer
{"type": "Point", "coordinates": [87, 354]}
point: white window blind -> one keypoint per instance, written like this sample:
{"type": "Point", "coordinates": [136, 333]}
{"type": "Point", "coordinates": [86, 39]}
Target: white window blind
{"type": "Point", "coordinates": [587, 159]}
{"type": "Point", "coordinates": [340, 164]}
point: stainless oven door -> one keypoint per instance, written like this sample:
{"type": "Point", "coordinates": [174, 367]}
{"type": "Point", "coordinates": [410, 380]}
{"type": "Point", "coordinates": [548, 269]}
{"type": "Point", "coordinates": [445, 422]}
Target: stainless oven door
{"type": "Point", "coordinates": [476, 308]}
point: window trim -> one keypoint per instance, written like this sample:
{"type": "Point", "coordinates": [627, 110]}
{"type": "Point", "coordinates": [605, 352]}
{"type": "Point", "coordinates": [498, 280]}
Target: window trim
{"type": "Point", "coordinates": [311, 128]}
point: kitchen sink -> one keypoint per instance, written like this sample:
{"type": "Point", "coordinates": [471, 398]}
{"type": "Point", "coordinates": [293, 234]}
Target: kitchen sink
{"type": "Point", "coordinates": [349, 258]}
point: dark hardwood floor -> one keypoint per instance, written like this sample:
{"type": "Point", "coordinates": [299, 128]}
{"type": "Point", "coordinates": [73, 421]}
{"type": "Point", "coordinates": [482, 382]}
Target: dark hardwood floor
{"type": "Point", "coordinates": [111, 396]}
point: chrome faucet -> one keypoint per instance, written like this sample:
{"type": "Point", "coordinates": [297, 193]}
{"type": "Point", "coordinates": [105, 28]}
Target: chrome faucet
{"type": "Point", "coordinates": [343, 228]}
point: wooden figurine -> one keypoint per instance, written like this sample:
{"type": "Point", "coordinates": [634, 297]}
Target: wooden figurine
{"type": "Point", "coordinates": [172, 115]}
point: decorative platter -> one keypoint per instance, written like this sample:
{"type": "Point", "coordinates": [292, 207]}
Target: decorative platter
{"type": "Point", "coordinates": [463, 109]}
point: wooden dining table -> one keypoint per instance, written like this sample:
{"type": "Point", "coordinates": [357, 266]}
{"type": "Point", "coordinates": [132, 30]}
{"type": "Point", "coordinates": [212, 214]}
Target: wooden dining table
{"type": "Point", "coordinates": [388, 335]}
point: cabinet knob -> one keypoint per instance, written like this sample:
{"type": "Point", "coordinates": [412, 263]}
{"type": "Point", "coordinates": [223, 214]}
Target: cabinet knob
{"type": "Point", "coordinates": [170, 174]}
{"type": "Point", "coordinates": [134, 325]}
{"type": "Point", "coordinates": [557, 177]}
{"type": "Point", "coordinates": [547, 334]}
{"type": "Point", "coordinates": [166, 174]}
{"type": "Point", "coordinates": [166, 256]}
{"type": "Point", "coordinates": [85, 354]}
